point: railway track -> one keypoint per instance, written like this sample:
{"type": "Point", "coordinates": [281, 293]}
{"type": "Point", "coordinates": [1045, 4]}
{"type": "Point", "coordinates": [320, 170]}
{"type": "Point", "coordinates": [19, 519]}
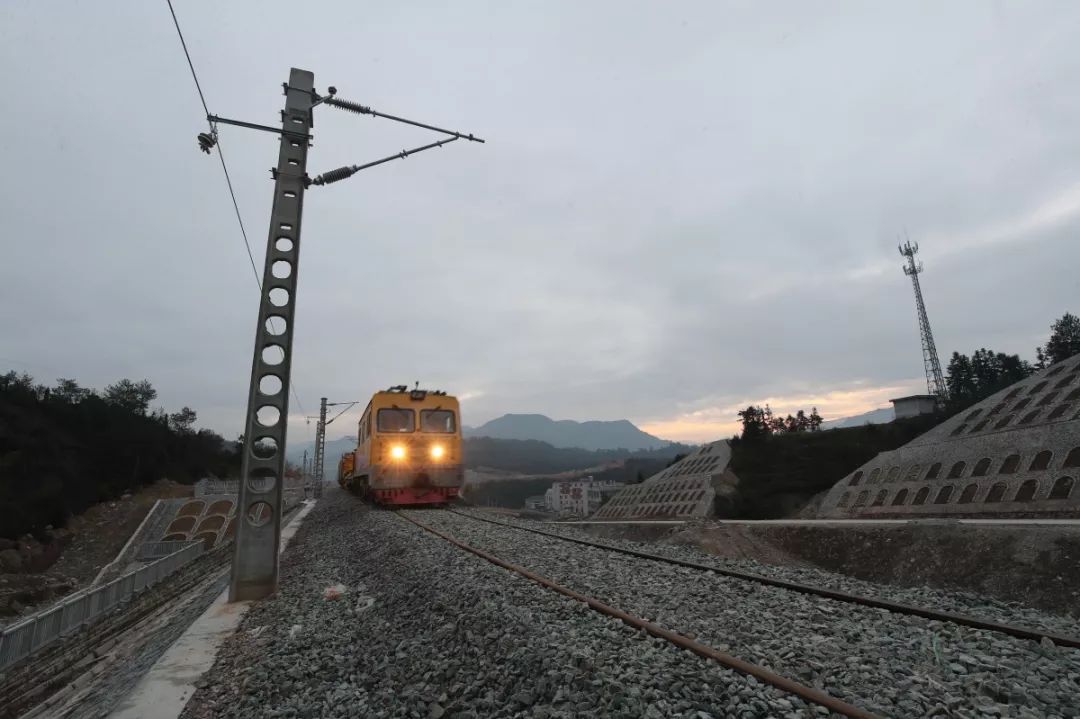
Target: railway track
{"type": "Point", "coordinates": [1018, 631]}
{"type": "Point", "coordinates": [866, 653]}
{"type": "Point", "coordinates": [761, 673]}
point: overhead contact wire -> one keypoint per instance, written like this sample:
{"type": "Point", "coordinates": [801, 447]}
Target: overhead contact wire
{"type": "Point", "coordinates": [228, 179]}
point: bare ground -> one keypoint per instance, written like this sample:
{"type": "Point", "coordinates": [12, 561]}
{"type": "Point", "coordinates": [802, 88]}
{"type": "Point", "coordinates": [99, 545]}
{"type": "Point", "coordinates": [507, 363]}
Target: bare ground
{"type": "Point", "coordinates": [1034, 566]}
{"type": "Point", "coordinates": [97, 536]}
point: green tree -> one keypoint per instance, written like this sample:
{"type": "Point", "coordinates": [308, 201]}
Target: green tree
{"type": "Point", "coordinates": [959, 378]}
{"type": "Point", "coordinates": [68, 390]}
{"type": "Point", "coordinates": [16, 381]}
{"type": "Point", "coordinates": [64, 448]}
{"type": "Point", "coordinates": [1064, 339]}
{"type": "Point", "coordinates": [970, 379]}
{"type": "Point", "coordinates": [802, 422]}
{"type": "Point", "coordinates": [132, 396]}
{"type": "Point", "coordinates": [755, 423]}
{"type": "Point", "coordinates": [760, 422]}
{"type": "Point", "coordinates": [1040, 358]}
{"type": "Point", "coordinates": [183, 420]}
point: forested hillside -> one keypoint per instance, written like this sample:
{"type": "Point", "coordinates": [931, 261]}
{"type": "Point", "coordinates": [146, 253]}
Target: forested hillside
{"type": "Point", "coordinates": [511, 493]}
{"type": "Point", "coordinates": [64, 448]}
{"type": "Point", "coordinates": [778, 473]}
{"type": "Point", "coordinates": [530, 456]}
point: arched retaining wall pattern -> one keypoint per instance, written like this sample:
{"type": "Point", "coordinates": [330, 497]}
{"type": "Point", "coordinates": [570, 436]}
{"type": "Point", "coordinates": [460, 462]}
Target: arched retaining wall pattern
{"type": "Point", "coordinates": [193, 508]}
{"type": "Point", "coordinates": [977, 463]}
{"type": "Point", "coordinates": [216, 516]}
{"type": "Point", "coordinates": [222, 506]}
{"type": "Point", "coordinates": [681, 491]}
{"type": "Point", "coordinates": [198, 518]}
{"type": "Point", "coordinates": [209, 539]}
{"type": "Point", "coordinates": [211, 524]}
{"type": "Point", "coordinates": [181, 525]}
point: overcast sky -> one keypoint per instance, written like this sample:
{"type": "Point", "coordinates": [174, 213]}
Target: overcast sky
{"type": "Point", "coordinates": [682, 208]}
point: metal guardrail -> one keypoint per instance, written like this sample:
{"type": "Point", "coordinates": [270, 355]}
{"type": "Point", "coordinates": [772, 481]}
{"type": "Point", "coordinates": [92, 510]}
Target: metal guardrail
{"type": "Point", "coordinates": [210, 486]}
{"type": "Point", "coordinates": [157, 550]}
{"type": "Point", "coordinates": [216, 486]}
{"type": "Point", "coordinates": [26, 637]}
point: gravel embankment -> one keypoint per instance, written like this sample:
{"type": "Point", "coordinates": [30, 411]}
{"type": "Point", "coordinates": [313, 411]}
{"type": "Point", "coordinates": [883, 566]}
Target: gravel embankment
{"type": "Point", "coordinates": [427, 630]}
{"type": "Point", "coordinates": [896, 665]}
{"type": "Point", "coordinates": [949, 601]}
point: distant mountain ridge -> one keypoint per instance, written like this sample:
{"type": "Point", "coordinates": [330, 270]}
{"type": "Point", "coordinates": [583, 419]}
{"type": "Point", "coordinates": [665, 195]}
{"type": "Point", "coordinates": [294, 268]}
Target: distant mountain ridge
{"type": "Point", "coordinates": [522, 456]}
{"type": "Point", "coordinates": [331, 454]}
{"type": "Point", "coordinates": [566, 433]}
{"type": "Point", "coordinates": [882, 415]}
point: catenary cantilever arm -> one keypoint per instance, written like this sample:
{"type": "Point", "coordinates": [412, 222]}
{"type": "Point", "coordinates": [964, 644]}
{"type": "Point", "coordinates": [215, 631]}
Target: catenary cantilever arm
{"type": "Point", "coordinates": [345, 172]}
{"type": "Point", "coordinates": [365, 110]}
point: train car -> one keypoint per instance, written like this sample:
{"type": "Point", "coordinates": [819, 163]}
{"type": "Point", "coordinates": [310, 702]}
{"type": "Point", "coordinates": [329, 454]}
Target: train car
{"type": "Point", "coordinates": [408, 449]}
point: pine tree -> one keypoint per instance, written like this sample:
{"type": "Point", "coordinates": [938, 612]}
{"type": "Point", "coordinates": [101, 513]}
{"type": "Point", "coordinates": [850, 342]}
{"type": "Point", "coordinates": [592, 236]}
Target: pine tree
{"type": "Point", "coordinates": [1064, 339]}
{"type": "Point", "coordinates": [1040, 358]}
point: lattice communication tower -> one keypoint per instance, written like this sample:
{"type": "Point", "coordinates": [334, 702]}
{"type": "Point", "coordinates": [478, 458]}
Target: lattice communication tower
{"type": "Point", "coordinates": [935, 381]}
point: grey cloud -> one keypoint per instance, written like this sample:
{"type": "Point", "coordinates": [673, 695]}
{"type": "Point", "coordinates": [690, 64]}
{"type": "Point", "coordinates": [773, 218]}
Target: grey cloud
{"type": "Point", "coordinates": [679, 206]}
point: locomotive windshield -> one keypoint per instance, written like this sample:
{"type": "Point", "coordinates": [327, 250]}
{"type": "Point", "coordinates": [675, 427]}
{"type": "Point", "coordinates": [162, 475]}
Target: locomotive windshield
{"type": "Point", "coordinates": [397, 420]}
{"type": "Point", "coordinates": [437, 420]}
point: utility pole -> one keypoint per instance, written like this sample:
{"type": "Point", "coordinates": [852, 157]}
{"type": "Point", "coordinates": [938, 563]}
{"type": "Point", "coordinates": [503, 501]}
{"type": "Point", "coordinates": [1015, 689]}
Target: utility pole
{"type": "Point", "coordinates": [305, 475]}
{"type": "Point", "coordinates": [262, 471]}
{"type": "Point", "coordinates": [935, 382]}
{"type": "Point", "coordinates": [320, 449]}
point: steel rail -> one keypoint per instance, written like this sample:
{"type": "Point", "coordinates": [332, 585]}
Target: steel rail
{"type": "Point", "coordinates": [760, 673]}
{"type": "Point", "coordinates": [1020, 632]}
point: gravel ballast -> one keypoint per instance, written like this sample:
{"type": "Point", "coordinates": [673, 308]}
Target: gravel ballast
{"type": "Point", "coordinates": [424, 629]}
{"type": "Point", "coordinates": [896, 665]}
{"type": "Point", "coordinates": [947, 601]}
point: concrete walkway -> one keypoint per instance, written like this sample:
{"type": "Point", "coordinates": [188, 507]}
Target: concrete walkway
{"type": "Point", "coordinates": [164, 691]}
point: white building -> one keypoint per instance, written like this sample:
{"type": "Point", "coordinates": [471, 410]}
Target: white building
{"type": "Point", "coordinates": [914, 405]}
{"type": "Point", "coordinates": [580, 497]}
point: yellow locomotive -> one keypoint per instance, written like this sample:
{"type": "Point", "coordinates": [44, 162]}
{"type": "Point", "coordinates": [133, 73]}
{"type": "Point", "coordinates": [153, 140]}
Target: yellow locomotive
{"type": "Point", "coordinates": [408, 449]}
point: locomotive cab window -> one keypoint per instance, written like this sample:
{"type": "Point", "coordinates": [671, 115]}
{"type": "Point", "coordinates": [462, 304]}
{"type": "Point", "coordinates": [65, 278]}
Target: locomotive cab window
{"type": "Point", "coordinates": [441, 421]}
{"type": "Point", "coordinates": [397, 420]}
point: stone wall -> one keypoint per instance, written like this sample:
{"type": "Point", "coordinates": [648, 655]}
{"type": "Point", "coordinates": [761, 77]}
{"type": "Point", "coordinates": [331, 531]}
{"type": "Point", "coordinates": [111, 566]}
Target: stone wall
{"type": "Point", "coordinates": [684, 490]}
{"type": "Point", "coordinates": [1017, 453]}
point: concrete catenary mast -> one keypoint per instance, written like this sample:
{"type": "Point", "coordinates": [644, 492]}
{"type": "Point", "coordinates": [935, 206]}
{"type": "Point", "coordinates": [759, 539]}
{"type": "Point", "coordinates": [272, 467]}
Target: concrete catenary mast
{"type": "Point", "coordinates": [262, 471]}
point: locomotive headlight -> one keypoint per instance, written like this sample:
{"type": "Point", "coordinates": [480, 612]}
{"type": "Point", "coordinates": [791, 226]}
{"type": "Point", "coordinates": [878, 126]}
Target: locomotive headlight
{"type": "Point", "coordinates": [398, 451]}
{"type": "Point", "coordinates": [438, 451]}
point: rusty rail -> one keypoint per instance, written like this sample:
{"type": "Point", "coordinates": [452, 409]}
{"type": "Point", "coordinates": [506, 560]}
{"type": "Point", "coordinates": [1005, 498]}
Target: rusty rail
{"type": "Point", "coordinates": [760, 673]}
{"type": "Point", "coordinates": [1020, 632]}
